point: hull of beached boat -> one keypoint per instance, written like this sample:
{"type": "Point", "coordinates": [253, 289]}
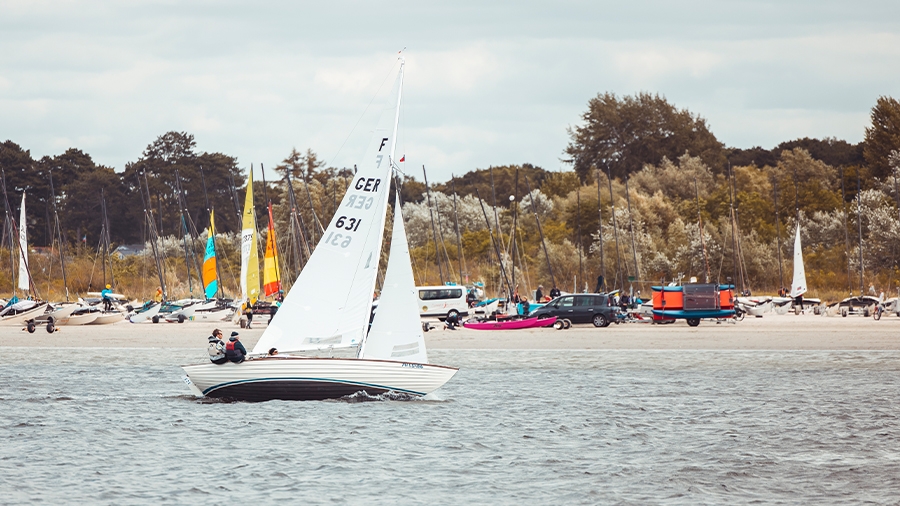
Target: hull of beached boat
{"type": "Point", "coordinates": [146, 315]}
{"type": "Point", "coordinates": [18, 319]}
{"type": "Point", "coordinates": [301, 379]}
{"type": "Point", "coordinates": [80, 319]}
{"type": "Point", "coordinates": [526, 323]}
{"type": "Point", "coordinates": [211, 316]}
{"type": "Point", "coordinates": [108, 318]}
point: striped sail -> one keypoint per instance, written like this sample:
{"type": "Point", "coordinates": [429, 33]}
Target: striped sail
{"type": "Point", "coordinates": [249, 255]}
{"type": "Point", "coordinates": [271, 279]}
{"type": "Point", "coordinates": [210, 282]}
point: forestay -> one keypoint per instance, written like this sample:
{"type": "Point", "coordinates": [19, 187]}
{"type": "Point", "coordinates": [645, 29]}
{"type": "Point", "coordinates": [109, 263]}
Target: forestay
{"type": "Point", "coordinates": [330, 303]}
{"type": "Point", "coordinates": [396, 332]}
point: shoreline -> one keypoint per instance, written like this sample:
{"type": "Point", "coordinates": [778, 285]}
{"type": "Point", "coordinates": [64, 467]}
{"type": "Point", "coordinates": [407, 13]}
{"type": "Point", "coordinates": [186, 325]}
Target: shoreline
{"type": "Point", "coordinates": [772, 332]}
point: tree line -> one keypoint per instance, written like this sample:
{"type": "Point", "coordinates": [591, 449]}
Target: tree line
{"type": "Point", "coordinates": [645, 176]}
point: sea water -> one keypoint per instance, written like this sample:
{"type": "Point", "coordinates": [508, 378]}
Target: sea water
{"type": "Point", "coordinates": [513, 427]}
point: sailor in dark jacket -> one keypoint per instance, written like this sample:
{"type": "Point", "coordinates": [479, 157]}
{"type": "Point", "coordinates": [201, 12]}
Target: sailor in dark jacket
{"type": "Point", "coordinates": [234, 350]}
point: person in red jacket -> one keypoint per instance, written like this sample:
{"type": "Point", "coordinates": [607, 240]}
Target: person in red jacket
{"type": "Point", "coordinates": [234, 350]}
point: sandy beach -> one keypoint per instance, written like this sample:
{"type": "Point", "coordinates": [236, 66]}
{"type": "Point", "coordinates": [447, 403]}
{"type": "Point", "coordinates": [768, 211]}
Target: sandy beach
{"type": "Point", "coordinates": [774, 332]}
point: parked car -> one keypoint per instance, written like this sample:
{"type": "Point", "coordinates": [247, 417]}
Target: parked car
{"type": "Point", "coordinates": [442, 301]}
{"type": "Point", "coordinates": [580, 308]}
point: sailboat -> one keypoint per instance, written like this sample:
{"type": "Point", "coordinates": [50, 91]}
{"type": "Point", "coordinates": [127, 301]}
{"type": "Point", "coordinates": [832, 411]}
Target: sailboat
{"type": "Point", "coordinates": [330, 306]}
{"type": "Point", "coordinates": [271, 278]}
{"type": "Point", "coordinates": [210, 277]}
{"type": "Point", "coordinates": [22, 311]}
{"type": "Point", "coordinates": [798, 285]}
{"type": "Point", "coordinates": [249, 255]}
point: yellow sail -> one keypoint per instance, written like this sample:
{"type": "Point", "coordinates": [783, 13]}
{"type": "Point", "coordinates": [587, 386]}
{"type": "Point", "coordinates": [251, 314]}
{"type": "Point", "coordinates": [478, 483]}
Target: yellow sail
{"type": "Point", "coordinates": [249, 254]}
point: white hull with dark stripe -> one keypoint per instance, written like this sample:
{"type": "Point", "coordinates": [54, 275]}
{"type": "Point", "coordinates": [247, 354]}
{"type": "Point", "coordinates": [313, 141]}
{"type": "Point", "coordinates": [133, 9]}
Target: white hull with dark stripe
{"type": "Point", "coordinates": [296, 378]}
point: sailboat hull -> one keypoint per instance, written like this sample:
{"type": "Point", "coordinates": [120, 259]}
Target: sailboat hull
{"type": "Point", "coordinates": [305, 379]}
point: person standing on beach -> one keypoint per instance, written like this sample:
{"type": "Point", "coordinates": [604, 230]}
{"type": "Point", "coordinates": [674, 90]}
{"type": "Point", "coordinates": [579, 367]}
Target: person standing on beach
{"type": "Point", "coordinates": [106, 295]}
{"type": "Point", "coordinates": [554, 292]}
{"type": "Point", "coordinates": [216, 348]}
{"type": "Point", "coordinates": [539, 293]}
{"type": "Point", "coordinates": [234, 350]}
{"type": "Point", "coordinates": [249, 313]}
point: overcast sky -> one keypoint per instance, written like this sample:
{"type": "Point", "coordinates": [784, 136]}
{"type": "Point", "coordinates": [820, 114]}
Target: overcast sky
{"type": "Point", "coordinates": [487, 83]}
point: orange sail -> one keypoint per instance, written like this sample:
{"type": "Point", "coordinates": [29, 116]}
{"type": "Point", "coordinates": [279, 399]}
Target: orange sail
{"type": "Point", "coordinates": [271, 279]}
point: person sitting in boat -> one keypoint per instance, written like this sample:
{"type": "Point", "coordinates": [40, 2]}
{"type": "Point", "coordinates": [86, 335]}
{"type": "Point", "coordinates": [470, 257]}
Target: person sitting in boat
{"type": "Point", "coordinates": [216, 348]}
{"type": "Point", "coordinates": [554, 292]}
{"type": "Point", "coordinates": [539, 293]}
{"type": "Point", "coordinates": [234, 350]}
{"type": "Point", "coordinates": [106, 295]}
{"type": "Point", "coordinates": [273, 352]}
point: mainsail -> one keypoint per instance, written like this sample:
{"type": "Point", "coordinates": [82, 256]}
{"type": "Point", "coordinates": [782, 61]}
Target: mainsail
{"type": "Point", "coordinates": [249, 254]}
{"type": "Point", "coordinates": [271, 279]}
{"type": "Point", "coordinates": [210, 281]}
{"type": "Point", "coordinates": [396, 333]}
{"type": "Point", "coordinates": [798, 286]}
{"type": "Point", "coordinates": [331, 301]}
{"type": "Point", "coordinates": [24, 278]}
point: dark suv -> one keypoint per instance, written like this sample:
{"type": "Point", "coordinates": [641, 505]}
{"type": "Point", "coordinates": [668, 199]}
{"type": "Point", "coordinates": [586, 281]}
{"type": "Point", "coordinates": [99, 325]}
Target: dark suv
{"type": "Point", "coordinates": [580, 308]}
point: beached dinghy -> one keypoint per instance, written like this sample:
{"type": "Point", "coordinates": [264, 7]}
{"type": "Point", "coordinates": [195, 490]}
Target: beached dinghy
{"type": "Point", "coordinates": [330, 306]}
{"type": "Point", "coordinates": [524, 323]}
{"type": "Point", "coordinates": [22, 311]}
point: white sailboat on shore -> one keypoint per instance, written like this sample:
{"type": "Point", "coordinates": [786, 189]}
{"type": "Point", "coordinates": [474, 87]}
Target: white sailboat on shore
{"type": "Point", "coordinates": [329, 307]}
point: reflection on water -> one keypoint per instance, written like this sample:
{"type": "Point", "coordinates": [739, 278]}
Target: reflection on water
{"type": "Point", "coordinates": [581, 427]}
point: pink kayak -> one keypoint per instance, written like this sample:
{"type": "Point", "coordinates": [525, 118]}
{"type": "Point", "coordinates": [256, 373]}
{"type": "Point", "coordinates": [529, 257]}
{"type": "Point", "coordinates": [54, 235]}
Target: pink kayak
{"type": "Point", "coordinates": [527, 323]}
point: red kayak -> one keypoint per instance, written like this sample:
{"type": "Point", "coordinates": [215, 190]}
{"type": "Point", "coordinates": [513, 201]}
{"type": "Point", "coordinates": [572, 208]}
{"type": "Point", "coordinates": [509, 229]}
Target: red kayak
{"type": "Point", "coordinates": [526, 323]}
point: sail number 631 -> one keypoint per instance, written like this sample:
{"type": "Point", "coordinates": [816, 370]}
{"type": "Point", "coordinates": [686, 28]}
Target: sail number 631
{"type": "Point", "coordinates": [345, 223]}
{"type": "Point", "coordinates": [352, 223]}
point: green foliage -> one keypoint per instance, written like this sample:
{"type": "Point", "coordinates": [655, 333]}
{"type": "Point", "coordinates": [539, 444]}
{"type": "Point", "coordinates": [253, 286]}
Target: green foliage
{"type": "Point", "coordinates": [883, 136]}
{"type": "Point", "coordinates": [619, 136]}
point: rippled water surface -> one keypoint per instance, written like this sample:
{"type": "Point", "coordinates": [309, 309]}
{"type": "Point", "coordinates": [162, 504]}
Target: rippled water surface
{"type": "Point", "coordinates": [513, 427]}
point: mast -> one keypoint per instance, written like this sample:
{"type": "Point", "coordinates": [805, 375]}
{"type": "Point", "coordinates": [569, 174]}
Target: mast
{"type": "Point", "coordinates": [437, 256]}
{"type": "Point", "coordinates": [212, 234]}
{"type": "Point", "coordinates": [458, 240]}
{"type": "Point", "coordinates": [612, 205]}
{"type": "Point", "coordinates": [846, 233]}
{"type": "Point", "coordinates": [700, 229]}
{"type": "Point", "coordinates": [637, 270]}
{"type": "Point", "coordinates": [600, 234]}
{"type": "Point", "coordinates": [148, 214]}
{"type": "Point", "coordinates": [734, 265]}
{"type": "Point", "coordinates": [496, 248]}
{"type": "Point", "coordinates": [862, 289]}
{"type": "Point", "coordinates": [515, 206]}
{"type": "Point", "coordinates": [578, 219]}
{"type": "Point", "coordinates": [540, 231]}
{"type": "Point", "coordinates": [58, 232]}
{"type": "Point", "coordinates": [778, 234]}
{"type": "Point", "coordinates": [272, 228]}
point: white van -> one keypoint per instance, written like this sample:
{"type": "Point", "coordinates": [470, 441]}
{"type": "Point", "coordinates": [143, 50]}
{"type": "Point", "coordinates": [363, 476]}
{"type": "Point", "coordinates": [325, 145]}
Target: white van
{"type": "Point", "coordinates": [442, 301]}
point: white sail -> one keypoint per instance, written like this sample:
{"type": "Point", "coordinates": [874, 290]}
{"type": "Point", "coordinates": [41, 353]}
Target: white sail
{"type": "Point", "coordinates": [24, 279]}
{"type": "Point", "coordinates": [330, 303]}
{"type": "Point", "coordinates": [396, 332]}
{"type": "Point", "coordinates": [798, 286]}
